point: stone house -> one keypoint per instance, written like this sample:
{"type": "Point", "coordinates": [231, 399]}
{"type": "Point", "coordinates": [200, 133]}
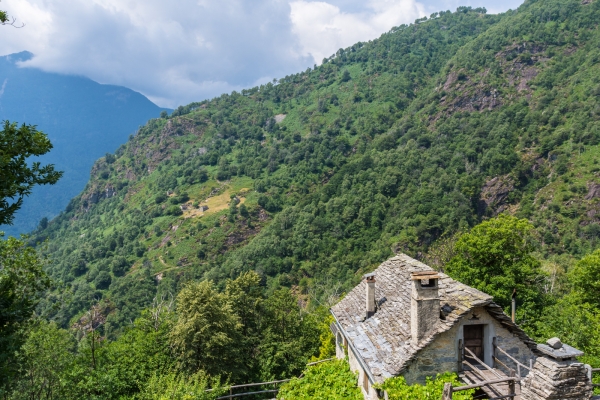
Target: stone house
{"type": "Point", "coordinates": [407, 319]}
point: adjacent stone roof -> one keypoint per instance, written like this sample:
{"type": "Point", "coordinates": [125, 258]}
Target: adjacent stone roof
{"type": "Point", "coordinates": [383, 341]}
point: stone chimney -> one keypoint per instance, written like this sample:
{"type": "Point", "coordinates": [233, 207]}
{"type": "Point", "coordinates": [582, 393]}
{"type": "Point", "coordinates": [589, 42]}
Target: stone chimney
{"type": "Point", "coordinates": [557, 374]}
{"type": "Point", "coordinates": [370, 295]}
{"type": "Point", "coordinates": [425, 304]}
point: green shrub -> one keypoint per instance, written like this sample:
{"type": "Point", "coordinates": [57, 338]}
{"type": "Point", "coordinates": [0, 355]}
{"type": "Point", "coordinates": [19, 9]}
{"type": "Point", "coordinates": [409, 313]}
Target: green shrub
{"type": "Point", "coordinates": [173, 210]}
{"type": "Point", "coordinates": [398, 389]}
{"type": "Point", "coordinates": [329, 380]}
{"type": "Point", "coordinates": [179, 387]}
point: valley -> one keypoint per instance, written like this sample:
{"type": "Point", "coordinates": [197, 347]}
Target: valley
{"type": "Point", "coordinates": [213, 243]}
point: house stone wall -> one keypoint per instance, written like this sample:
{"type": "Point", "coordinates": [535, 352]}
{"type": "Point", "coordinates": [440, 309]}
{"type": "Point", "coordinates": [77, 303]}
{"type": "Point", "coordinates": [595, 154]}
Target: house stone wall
{"type": "Point", "coordinates": [339, 349]}
{"type": "Point", "coordinates": [355, 367]}
{"type": "Point", "coordinates": [442, 354]}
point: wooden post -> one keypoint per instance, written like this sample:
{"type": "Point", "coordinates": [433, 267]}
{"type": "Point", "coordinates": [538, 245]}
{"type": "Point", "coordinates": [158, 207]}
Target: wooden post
{"type": "Point", "coordinates": [460, 356]}
{"type": "Point", "coordinates": [447, 394]}
{"type": "Point", "coordinates": [494, 352]}
{"type": "Point", "coordinates": [511, 384]}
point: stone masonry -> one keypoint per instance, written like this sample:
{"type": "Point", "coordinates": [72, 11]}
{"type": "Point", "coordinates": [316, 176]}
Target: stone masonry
{"type": "Point", "coordinates": [556, 379]}
{"type": "Point", "coordinates": [442, 354]}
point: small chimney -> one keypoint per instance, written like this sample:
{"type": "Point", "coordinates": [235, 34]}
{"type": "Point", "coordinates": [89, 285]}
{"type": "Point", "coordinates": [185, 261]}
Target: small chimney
{"type": "Point", "coordinates": [370, 280]}
{"type": "Point", "coordinates": [425, 304]}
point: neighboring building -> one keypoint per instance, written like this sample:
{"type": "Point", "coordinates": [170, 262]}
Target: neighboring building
{"type": "Point", "coordinates": [407, 319]}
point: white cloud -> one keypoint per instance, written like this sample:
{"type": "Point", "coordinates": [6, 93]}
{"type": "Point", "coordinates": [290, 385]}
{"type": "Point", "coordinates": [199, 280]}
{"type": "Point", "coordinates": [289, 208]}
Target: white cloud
{"type": "Point", "coordinates": [173, 52]}
{"type": "Point", "coordinates": [323, 28]}
{"type": "Point", "coordinates": [188, 50]}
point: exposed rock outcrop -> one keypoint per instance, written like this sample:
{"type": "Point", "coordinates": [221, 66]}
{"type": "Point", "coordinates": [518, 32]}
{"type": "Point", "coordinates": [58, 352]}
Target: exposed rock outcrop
{"type": "Point", "coordinates": [494, 195]}
{"type": "Point", "coordinates": [593, 191]}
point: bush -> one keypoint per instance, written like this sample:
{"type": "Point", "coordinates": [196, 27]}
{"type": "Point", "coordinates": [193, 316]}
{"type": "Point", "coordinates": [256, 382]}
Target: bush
{"type": "Point", "coordinates": [173, 210]}
{"type": "Point", "coordinates": [398, 389]}
{"type": "Point", "coordinates": [329, 380]}
{"type": "Point", "coordinates": [174, 387]}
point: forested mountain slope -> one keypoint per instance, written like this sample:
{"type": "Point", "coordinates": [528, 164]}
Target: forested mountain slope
{"type": "Point", "coordinates": [83, 118]}
{"type": "Point", "coordinates": [311, 180]}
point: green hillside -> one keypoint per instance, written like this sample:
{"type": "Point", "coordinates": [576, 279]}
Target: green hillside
{"type": "Point", "coordinates": [389, 145]}
{"type": "Point", "coordinates": [395, 145]}
{"type": "Point", "coordinates": [326, 191]}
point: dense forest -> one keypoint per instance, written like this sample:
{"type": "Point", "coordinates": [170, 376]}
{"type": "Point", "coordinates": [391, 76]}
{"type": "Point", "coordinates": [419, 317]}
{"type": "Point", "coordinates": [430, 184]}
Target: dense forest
{"type": "Point", "coordinates": [206, 251]}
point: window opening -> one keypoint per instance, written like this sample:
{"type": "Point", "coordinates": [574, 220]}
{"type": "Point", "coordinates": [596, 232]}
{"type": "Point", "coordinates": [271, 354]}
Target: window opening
{"type": "Point", "coordinates": [366, 382]}
{"type": "Point", "coordinates": [428, 283]}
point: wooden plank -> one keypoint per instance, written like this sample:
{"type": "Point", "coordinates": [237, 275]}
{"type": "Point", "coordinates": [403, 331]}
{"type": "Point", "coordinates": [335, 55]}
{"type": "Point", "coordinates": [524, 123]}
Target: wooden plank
{"type": "Point", "coordinates": [318, 362]}
{"type": "Point", "coordinates": [424, 277]}
{"type": "Point", "coordinates": [479, 377]}
{"type": "Point", "coordinates": [484, 383]}
{"type": "Point", "coordinates": [258, 384]}
{"type": "Point", "coordinates": [247, 394]}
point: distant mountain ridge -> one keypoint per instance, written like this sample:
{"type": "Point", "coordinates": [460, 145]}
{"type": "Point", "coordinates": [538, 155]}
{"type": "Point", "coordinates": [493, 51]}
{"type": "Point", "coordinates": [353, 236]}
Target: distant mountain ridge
{"type": "Point", "coordinates": [84, 120]}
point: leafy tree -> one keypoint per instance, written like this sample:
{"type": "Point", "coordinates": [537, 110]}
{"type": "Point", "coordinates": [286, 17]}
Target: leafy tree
{"type": "Point", "coordinates": [45, 358]}
{"type": "Point", "coordinates": [496, 258]}
{"type": "Point", "coordinates": [574, 322]}
{"type": "Point", "coordinates": [102, 280]}
{"type": "Point", "coordinates": [585, 279]}
{"type": "Point", "coordinates": [119, 266]}
{"type": "Point", "coordinates": [245, 296]}
{"type": "Point", "coordinates": [289, 338]}
{"type": "Point", "coordinates": [18, 177]}
{"type": "Point", "coordinates": [21, 281]}
{"type": "Point", "coordinates": [206, 333]}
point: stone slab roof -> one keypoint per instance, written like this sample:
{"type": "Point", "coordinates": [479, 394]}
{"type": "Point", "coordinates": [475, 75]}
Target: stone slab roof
{"type": "Point", "coordinates": [383, 341]}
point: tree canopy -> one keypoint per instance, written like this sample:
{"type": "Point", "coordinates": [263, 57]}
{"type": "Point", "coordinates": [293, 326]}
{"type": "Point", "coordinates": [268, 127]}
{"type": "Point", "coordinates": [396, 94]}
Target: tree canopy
{"type": "Point", "coordinates": [19, 176]}
{"type": "Point", "coordinates": [497, 258]}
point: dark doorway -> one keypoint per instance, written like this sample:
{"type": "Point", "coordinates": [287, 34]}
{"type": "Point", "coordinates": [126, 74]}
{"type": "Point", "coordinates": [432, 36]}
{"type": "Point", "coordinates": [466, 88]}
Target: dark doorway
{"type": "Point", "coordinates": [474, 340]}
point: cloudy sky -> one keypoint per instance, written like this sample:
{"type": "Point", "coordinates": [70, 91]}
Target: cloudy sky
{"type": "Point", "coordinates": [176, 52]}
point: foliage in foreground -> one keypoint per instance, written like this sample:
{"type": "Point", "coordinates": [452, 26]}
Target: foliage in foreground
{"type": "Point", "coordinates": [328, 380]}
{"type": "Point", "coordinates": [177, 348]}
{"type": "Point", "coordinates": [179, 387]}
{"type": "Point", "coordinates": [398, 389]}
{"type": "Point", "coordinates": [21, 282]}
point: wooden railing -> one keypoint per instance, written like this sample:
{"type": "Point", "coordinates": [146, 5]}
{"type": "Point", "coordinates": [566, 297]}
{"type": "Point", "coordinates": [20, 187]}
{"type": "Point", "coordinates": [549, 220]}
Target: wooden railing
{"type": "Point", "coordinates": [449, 389]}
{"type": "Point", "coordinates": [496, 361]}
{"type": "Point", "coordinates": [595, 370]}
{"type": "Point", "coordinates": [231, 395]}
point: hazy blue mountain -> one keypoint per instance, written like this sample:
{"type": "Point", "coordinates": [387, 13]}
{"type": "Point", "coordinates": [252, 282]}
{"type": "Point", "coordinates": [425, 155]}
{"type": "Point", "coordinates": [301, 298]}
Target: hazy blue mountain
{"type": "Point", "coordinates": [84, 120]}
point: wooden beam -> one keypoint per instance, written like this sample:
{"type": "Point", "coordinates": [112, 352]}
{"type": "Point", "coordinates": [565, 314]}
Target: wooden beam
{"type": "Point", "coordinates": [480, 384]}
{"type": "Point", "coordinates": [461, 355]}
